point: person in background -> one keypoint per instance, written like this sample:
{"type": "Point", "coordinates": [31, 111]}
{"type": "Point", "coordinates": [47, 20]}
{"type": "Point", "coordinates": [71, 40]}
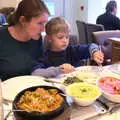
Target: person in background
{"type": "Point", "coordinates": [21, 42]}
{"type": "Point", "coordinates": [2, 19]}
{"type": "Point", "coordinates": [61, 57]}
{"type": "Point", "coordinates": [109, 18]}
{"type": "Point", "coordinates": [5, 12]}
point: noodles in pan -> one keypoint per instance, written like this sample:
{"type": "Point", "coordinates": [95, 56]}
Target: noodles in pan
{"type": "Point", "coordinates": [40, 100]}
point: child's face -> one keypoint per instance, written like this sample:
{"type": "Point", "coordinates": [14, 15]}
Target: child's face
{"type": "Point", "coordinates": [59, 41]}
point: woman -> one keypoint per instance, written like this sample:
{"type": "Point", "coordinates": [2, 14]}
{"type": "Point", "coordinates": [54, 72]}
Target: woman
{"type": "Point", "coordinates": [20, 43]}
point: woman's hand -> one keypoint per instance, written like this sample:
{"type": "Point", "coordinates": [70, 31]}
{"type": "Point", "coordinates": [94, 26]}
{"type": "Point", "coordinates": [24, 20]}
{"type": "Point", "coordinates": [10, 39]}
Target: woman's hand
{"type": "Point", "coordinates": [98, 57]}
{"type": "Point", "coordinates": [66, 68]}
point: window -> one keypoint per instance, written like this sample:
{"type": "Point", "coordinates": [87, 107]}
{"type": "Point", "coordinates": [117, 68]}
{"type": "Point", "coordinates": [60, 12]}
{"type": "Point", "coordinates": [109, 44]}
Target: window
{"type": "Point", "coordinates": [56, 7]}
{"type": "Point", "coordinates": [118, 8]}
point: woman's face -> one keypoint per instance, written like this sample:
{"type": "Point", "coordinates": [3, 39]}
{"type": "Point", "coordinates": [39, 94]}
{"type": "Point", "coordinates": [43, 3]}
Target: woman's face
{"type": "Point", "coordinates": [36, 25]}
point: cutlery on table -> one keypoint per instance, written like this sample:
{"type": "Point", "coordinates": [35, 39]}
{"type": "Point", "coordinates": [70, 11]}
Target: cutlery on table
{"type": "Point", "coordinates": [57, 82]}
{"type": "Point", "coordinates": [100, 67]}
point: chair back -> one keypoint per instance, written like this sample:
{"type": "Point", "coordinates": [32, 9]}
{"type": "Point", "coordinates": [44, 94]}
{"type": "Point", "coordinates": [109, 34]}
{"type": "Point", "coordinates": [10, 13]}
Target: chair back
{"type": "Point", "coordinates": [85, 31]}
{"type": "Point", "coordinates": [73, 40]}
{"type": "Point", "coordinates": [81, 26]}
{"type": "Point", "coordinates": [93, 28]}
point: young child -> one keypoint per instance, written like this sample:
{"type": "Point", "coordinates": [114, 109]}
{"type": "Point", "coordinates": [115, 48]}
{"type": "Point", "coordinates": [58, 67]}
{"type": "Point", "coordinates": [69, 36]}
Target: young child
{"type": "Point", "coordinates": [60, 57]}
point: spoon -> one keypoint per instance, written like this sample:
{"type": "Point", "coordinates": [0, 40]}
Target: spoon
{"type": "Point", "coordinates": [6, 101]}
{"type": "Point", "coordinates": [14, 110]}
{"type": "Point", "coordinates": [51, 81]}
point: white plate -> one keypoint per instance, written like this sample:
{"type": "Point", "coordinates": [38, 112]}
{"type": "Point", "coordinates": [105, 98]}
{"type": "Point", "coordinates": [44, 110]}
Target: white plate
{"type": "Point", "coordinates": [89, 74]}
{"type": "Point", "coordinates": [115, 68]}
{"type": "Point", "coordinates": [13, 86]}
{"type": "Point", "coordinates": [83, 69]}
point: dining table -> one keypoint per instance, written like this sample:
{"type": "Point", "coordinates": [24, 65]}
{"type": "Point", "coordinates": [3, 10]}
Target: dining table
{"type": "Point", "coordinates": [11, 87]}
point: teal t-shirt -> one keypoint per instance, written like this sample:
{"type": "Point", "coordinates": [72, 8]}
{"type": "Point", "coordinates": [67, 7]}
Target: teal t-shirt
{"type": "Point", "coordinates": [16, 57]}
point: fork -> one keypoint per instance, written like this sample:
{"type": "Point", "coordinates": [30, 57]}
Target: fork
{"type": "Point", "coordinates": [100, 67]}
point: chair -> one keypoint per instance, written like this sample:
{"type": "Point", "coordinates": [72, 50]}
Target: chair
{"type": "Point", "coordinates": [85, 31]}
{"type": "Point", "coordinates": [81, 26]}
{"type": "Point", "coordinates": [92, 28]}
{"type": "Point", "coordinates": [73, 40]}
{"type": "Point", "coordinates": [102, 38]}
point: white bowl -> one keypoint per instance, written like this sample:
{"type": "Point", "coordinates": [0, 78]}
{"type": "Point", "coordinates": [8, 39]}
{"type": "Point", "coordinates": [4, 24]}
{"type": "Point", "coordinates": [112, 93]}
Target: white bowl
{"type": "Point", "coordinates": [83, 94]}
{"type": "Point", "coordinates": [112, 97]}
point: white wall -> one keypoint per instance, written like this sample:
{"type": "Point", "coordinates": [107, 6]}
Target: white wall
{"type": "Point", "coordinates": [95, 8]}
{"type": "Point", "coordinates": [5, 3]}
{"type": "Point", "coordinates": [73, 12]}
{"type": "Point", "coordinates": [118, 8]}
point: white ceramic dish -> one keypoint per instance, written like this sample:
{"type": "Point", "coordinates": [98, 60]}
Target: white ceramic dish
{"type": "Point", "coordinates": [112, 97]}
{"type": "Point", "coordinates": [115, 68]}
{"type": "Point", "coordinates": [12, 86]}
{"type": "Point", "coordinates": [88, 74]}
{"type": "Point", "coordinates": [83, 94]}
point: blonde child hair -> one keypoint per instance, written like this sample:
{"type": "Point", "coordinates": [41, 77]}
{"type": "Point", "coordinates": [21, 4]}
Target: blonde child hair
{"type": "Point", "coordinates": [56, 25]}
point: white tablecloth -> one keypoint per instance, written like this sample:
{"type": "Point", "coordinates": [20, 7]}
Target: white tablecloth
{"type": "Point", "coordinates": [75, 113]}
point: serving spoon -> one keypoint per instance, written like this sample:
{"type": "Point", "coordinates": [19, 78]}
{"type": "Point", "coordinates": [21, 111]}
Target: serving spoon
{"type": "Point", "coordinates": [10, 111]}
{"type": "Point", "coordinates": [51, 81]}
{"type": "Point", "coordinates": [14, 110]}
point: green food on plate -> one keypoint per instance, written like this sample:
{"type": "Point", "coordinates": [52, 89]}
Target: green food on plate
{"type": "Point", "coordinates": [70, 80]}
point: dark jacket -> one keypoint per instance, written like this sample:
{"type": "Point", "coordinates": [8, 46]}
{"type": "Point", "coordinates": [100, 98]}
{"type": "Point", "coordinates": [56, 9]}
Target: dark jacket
{"type": "Point", "coordinates": [48, 66]}
{"type": "Point", "coordinates": [110, 22]}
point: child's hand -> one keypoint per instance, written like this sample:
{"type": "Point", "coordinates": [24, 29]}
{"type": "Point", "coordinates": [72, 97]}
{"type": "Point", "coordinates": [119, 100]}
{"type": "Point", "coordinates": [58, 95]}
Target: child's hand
{"type": "Point", "coordinates": [98, 57]}
{"type": "Point", "coordinates": [66, 68]}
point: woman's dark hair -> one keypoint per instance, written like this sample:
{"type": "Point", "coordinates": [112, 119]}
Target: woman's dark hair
{"type": "Point", "coordinates": [111, 5]}
{"type": "Point", "coordinates": [28, 9]}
